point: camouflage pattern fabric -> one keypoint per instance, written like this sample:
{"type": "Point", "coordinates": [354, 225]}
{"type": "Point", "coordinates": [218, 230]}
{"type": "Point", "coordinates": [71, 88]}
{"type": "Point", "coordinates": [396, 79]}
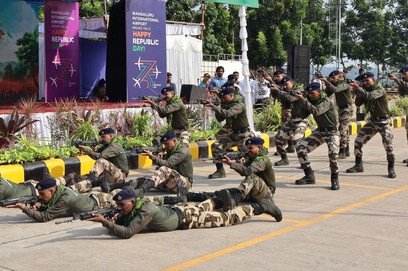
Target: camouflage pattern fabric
{"type": "Point", "coordinates": [183, 136]}
{"type": "Point", "coordinates": [226, 139]}
{"type": "Point", "coordinates": [104, 200]}
{"type": "Point", "coordinates": [317, 138]}
{"type": "Point", "coordinates": [344, 120]}
{"type": "Point", "coordinates": [103, 166]}
{"type": "Point", "coordinates": [369, 131]}
{"type": "Point", "coordinates": [254, 186]}
{"type": "Point", "coordinates": [286, 115]}
{"type": "Point", "coordinates": [204, 216]}
{"type": "Point", "coordinates": [290, 131]}
{"type": "Point", "coordinates": [166, 180]}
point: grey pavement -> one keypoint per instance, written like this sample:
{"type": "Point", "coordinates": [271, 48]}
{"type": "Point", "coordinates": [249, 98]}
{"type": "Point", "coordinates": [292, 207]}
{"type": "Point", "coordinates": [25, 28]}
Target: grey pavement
{"type": "Point", "coordinates": [363, 226]}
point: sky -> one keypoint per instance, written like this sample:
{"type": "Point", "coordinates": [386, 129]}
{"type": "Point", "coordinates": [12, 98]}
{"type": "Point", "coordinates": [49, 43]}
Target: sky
{"type": "Point", "coordinates": [16, 18]}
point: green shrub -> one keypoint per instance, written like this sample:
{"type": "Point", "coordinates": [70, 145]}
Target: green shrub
{"type": "Point", "coordinates": [402, 105]}
{"type": "Point", "coordinates": [267, 119]}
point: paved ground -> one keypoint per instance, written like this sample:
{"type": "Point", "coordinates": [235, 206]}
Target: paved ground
{"type": "Point", "coordinates": [363, 226]}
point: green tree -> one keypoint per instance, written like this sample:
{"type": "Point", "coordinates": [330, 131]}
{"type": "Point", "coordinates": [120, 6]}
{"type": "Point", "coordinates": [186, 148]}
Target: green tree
{"type": "Point", "coordinates": [399, 40]}
{"type": "Point", "coordinates": [8, 71]}
{"type": "Point", "coordinates": [182, 10]}
{"type": "Point", "coordinates": [27, 52]}
{"type": "Point", "coordinates": [91, 8]}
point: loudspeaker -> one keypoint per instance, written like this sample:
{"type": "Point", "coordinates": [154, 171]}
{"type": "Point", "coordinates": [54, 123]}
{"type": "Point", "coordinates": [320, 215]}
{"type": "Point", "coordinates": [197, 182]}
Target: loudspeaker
{"type": "Point", "coordinates": [192, 93]}
{"type": "Point", "coordinates": [299, 63]}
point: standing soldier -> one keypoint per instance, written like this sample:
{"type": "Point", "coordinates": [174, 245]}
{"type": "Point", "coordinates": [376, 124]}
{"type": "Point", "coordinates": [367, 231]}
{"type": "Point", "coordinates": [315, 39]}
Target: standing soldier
{"type": "Point", "coordinates": [374, 98]}
{"type": "Point", "coordinates": [60, 201]}
{"type": "Point", "coordinates": [111, 163]}
{"type": "Point", "coordinates": [294, 129]}
{"type": "Point", "coordinates": [403, 91]}
{"type": "Point", "coordinates": [175, 173]}
{"type": "Point", "coordinates": [235, 130]}
{"type": "Point", "coordinates": [342, 93]}
{"type": "Point", "coordinates": [324, 113]}
{"type": "Point", "coordinates": [173, 108]}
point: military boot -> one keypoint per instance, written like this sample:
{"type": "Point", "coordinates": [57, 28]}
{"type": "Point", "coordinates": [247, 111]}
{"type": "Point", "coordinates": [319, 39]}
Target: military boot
{"type": "Point", "coordinates": [230, 198]}
{"type": "Point", "coordinates": [94, 180]}
{"type": "Point", "coordinates": [290, 148]}
{"type": "Point", "coordinates": [358, 167]}
{"type": "Point", "coordinates": [145, 186]}
{"type": "Point", "coordinates": [342, 153]}
{"type": "Point", "coordinates": [405, 161]}
{"type": "Point", "coordinates": [105, 187]}
{"type": "Point", "coordinates": [391, 172]}
{"type": "Point", "coordinates": [284, 161]}
{"type": "Point", "coordinates": [199, 197]}
{"type": "Point", "coordinates": [71, 179]}
{"type": "Point", "coordinates": [335, 181]}
{"type": "Point", "coordinates": [182, 194]}
{"type": "Point", "coordinates": [172, 200]}
{"type": "Point", "coordinates": [219, 173]}
{"type": "Point", "coordinates": [270, 208]}
{"type": "Point", "coordinates": [309, 177]}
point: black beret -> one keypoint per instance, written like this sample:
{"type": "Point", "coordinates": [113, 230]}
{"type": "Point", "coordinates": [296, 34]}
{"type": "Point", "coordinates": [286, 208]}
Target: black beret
{"type": "Point", "coordinates": [168, 136]}
{"type": "Point", "coordinates": [125, 194]}
{"type": "Point", "coordinates": [254, 141]}
{"type": "Point", "coordinates": [286, 79]}
{"type": "Point", "coordinates": [404, 69]}
{"type": "Point", "coordinates": [227, 90]}
{"type": "Point", "coordinates": [368, 75]}
{"type": "Point", "coordinates": [166, 89]}
{"type": "Point", "coordinates": [106, 131]}
{"type": "Point", "coordinates": [45, 184]}
{"type": "Point", "coordinates": [334, 73]}
{"type": "Point", "coordinates": [313, 86]}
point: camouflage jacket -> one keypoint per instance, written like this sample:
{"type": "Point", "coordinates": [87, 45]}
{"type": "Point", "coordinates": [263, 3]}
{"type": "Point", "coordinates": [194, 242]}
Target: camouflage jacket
{"type": "Point", "coordinates": [323, 111]}
{"type": "Point", "coordinates": [65, 202]}
{"type": "Point", "coordinates": [234, 114]}
{"type": "Point", "coordinates": [179, 159]}
{"type": "Point", "coordinates": [144, 215]}
{"type": "Point", "coordinates": [112, 152]}
{"type": "Point", "coordinates": [402, 87]}
{"type": "Point", "coordinates": [176, 113]}
{"type": "Point", "coordinates": [299, 111]}
{"type": "Point", "coordinates": [374, 99]}
{"type": "Point", "coordinates": [9, 189]}
{"type": "Point", "coordinates": [261, 166]}
{"type": "Point", "coordinates": [342, 91]}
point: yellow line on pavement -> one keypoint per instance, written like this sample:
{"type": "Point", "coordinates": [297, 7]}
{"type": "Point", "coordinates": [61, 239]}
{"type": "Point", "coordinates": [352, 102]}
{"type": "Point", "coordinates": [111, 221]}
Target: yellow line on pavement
{"type": "Point", "coordinates": [288, 229]}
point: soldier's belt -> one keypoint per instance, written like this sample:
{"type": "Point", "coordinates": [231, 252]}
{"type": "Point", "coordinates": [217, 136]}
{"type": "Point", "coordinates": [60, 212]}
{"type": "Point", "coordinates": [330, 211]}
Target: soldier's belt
{"type": "Point", "coordinates": [183, 224]}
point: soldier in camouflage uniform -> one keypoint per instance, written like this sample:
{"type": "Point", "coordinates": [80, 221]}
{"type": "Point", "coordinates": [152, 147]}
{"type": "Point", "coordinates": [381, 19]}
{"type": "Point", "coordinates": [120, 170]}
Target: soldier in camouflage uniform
{"type": "Point", "coordinates": [9, 189]}
{"type": "Point", "coordinates": [294, 129]}
{"type": "Point", "coordinates": [173, 108]}
{"type": "Point", "coordinates": [235, 130]}
{"type": "Point", "coordinates": [60, 201]}
{"type": "Point", "coordinates": [175, 173]}
{"type": "Point", "coordinates": [374, 98]}
{"type": "Point", "coordinates": [137, 215]}
{"type": "Point", "coordinates": [111, 164]}
{"type": "Point", "coordinates": [342, 93]}
{"type": "Point", "coordinates": [324, 113]}
{"type": "Point", "coordinates": [403, 91]}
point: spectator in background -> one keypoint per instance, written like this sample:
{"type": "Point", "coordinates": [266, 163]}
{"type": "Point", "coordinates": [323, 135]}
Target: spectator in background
{"type": "Point", "coordinates": [206, 82]}
{"type": "Point", "coordinates": [218, 80]}
{"type": "Point", "coordinates": [169, 83]}
{"type": "Point", "coordinates": [262, 92]}
{"type": "Point", "coordinates": [99, 91]}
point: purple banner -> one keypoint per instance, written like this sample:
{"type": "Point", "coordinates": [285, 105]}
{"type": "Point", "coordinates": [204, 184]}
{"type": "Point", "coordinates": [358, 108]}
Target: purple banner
{"type": "Point", "coordinates": [146, 47]}
{"type": "Point", "coordinates": [61, 49]}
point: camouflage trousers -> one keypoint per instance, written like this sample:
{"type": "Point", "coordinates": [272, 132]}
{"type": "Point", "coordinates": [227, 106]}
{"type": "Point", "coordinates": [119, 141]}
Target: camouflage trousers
{"type": "Point", "coordinates": [226, 139]}
{"type": "Point", "coordinates": [103, 166]}
{"type": "Point", "coordinates": [204, 216]}
{"type": "Point", "coordinates": [290, 131]}
{"type": "Point", "coordinates": [104, 200]}
{"type": "Point", "coordinates": [369, 131]}
{"type": "Point", "coordinates": [286, 115]}
{"type": "Point", "coordinates": [167, 180]}
{"type": "Point", "coordinates": [317, 138]}
{"type": "Point", "coordinates": [183, 136]}
{"type": "Point", "coordinates": [255, 187]}
{"type": "Point", "coordinates": [344, 120]}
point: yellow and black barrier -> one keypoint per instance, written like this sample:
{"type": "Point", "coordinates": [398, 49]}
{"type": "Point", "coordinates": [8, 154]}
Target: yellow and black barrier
{"type": "Point", "coordinates": [82, 164]}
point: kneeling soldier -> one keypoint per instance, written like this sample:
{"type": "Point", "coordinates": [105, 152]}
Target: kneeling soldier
{"type": "Point", "coordinates": [137, 215]}
{"type": "Point", "coordinates": [324, 112]}
{"type": "Point", "coordinates": [60, 201]}
{"type": "Point", "coordinates": [175, 173]}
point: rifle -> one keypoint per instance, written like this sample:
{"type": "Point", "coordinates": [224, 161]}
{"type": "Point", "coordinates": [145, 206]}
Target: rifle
{"type": "Point", "coordinates": [27, 200]}
{"type": "Point", "coordinates": [152, 98]}
{"type": "Point", "coordinates": [204, 102]}
{"type": "Point", "coordinates": [89, 143]}
{"type": "Point", "coordinates": [152, 149]}
{"type": "Point", "coordinates": [233, 155]}
{"type": "Point", "coordinates": [107, 213]}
